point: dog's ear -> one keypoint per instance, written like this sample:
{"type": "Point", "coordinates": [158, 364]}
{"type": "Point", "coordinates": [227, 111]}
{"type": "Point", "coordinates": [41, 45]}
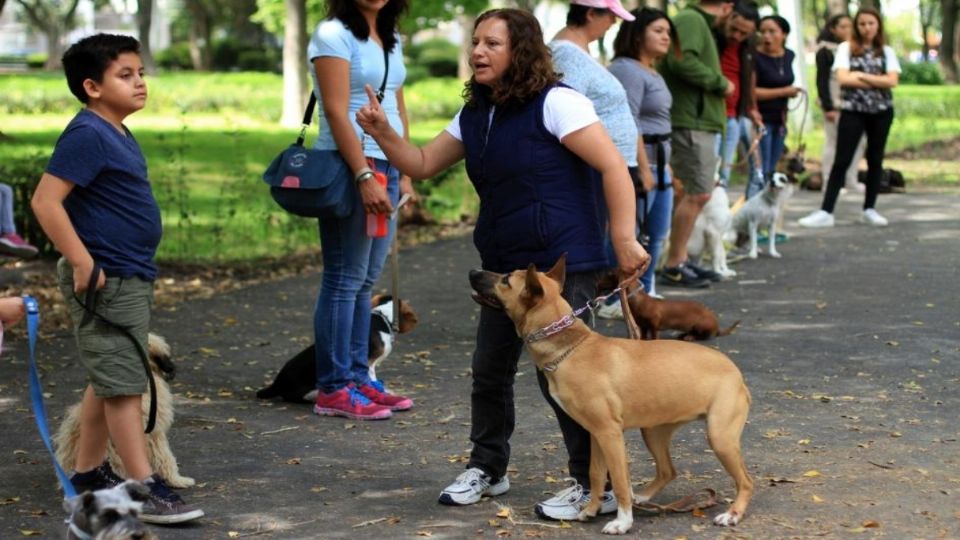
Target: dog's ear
{"type": "Point", "coordinates": [559, 271]}
{"type": "Point", "coordinates": [533, 290]}
{"type": "Point", "coordinates": [408, 318]}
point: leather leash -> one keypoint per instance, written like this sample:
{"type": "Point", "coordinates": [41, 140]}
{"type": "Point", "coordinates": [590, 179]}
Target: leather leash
{"type": "Point", "coordinates": [36, 394]}
{"type": "Point", "coordinates": [705, 498]}
{"type": "Point", "coordinates": [89, 305]}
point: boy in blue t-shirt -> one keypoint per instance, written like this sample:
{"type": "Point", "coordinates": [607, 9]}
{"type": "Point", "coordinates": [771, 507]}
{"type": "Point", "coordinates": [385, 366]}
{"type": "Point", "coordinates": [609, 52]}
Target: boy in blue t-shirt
{"type": "Point", "coordinates": [95, 203]}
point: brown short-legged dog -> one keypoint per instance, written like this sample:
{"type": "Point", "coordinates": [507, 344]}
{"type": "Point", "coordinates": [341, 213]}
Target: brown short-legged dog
{"type": "Point", "coordinates": [695, 320]}
{"type": "Point", "coordinates": [161, 458]}
{"type": "Point", "coordinates": [610, 384]}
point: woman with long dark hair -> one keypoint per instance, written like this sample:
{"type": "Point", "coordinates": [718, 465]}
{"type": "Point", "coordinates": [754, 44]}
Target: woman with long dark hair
{"type": "Point", "coordinates": [637, 49]}
{"type": "Point", "coordinates": [774, 89]}
{"type": "Point", "coordinates": [867, 70]}
{"type": "Point", "coordinates": [357, 44]}
{"type": "Point", "coordinates": [533, 148]}
{"type": "Point", "coordinates": [837, 31]}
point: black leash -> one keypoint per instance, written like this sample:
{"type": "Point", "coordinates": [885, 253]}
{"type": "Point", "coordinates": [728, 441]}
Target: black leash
{"type": "Point", "coordinates": [89, 306]}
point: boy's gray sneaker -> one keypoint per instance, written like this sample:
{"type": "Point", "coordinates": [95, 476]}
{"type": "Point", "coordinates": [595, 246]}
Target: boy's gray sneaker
{"type": "Point", "coordinates": [567, 504]}
{"type": "Point", "coordinates": [471, 486]}
{"type": "Point", "coordinates": [101, 477]}
{"type": "Point", "coordinates": [165, 507]}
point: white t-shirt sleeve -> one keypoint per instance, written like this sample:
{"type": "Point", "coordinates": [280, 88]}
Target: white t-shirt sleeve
{"type": "Point", "coordinates": [841, 60]}
{"type": "Point", "coordinates": [453, 128]}
{"type": "Point", "coordinates": [893, 64]}
{"type": "Point", "coordinates": [565, 110]}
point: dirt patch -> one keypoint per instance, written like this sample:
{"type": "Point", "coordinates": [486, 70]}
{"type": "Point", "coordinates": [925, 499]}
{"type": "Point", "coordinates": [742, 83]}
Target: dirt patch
{"type": "Point", "coordinates": [946, 150]}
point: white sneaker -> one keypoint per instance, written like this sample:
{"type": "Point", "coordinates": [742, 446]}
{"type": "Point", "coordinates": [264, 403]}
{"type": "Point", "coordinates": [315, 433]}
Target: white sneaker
{"type": "Point", "coordinates": [818, 219]}
{"type": "Point", "coordinates": [567, 504]}
{"type": "Point", "coordinates": [471, 486]}
{"type": "Point", "coordinates": [610, 311]}
{"type": "Point", "coordinates": [872, 217]}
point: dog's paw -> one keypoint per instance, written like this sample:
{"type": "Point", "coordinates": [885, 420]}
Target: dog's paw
{"type": "Point", "coordinates": [621, 525]}
{"type": "Point", "coordinates": [584, 515]}
{"type": "Point", "coordinates": [728, 273]}
{"type": "Point", "coordinates": [775, 254]}
{"type": "Point", "coordinates": [753, 254]}
{"type": "Point", "coordinates": [727, 519]}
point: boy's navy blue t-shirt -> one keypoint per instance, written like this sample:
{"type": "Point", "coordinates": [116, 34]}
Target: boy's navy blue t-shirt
{"type": "Point", "coordinates": [112, 206]}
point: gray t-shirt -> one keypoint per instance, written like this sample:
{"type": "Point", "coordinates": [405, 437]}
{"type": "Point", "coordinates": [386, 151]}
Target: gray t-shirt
{"type": "Point", "coordinates": [649, 100]}
{"type": "Point", "coordinates": [585, 75]}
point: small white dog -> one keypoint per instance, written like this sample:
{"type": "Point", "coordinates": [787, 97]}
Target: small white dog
{"type": "Point", "coordinates": [709, 230]}
{"type": "Point", "coordinates": [762, 210]}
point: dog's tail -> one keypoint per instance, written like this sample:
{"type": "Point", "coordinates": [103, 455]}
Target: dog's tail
{"type": "Point", "coordinates": [725, 332]}
{"type": "Point", "coordinates": [268, 392]}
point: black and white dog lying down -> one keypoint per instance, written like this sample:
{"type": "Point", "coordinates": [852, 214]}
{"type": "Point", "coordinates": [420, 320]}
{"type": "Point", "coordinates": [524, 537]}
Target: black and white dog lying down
{"type": "Point", "coordinates": [108, 514]}
{"type": "Point", "coordinates": [296, 381]}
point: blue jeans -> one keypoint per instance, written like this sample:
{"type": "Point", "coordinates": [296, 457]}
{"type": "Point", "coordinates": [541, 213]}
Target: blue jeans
{"type": "Point", "coordinates": [659, 212]}
{"type": "Point", "coordinates": [739, 130]}
{"type": "Point", "coordinates": [6, 210]}
{"type": "Point", "coordinates": [771, 147]}
{"type": "Point", "coordinates": [352, 263]}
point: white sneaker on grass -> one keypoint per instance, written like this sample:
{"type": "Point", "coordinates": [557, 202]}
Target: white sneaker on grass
{"type": "Point", "coordinates": [872, 217]}
{"type": "Point", "coordinates": [567, 504]}
{"type": "Point", "coordinates": [818, 219]}
{"type": "Point", "coordinates": [471, 486]}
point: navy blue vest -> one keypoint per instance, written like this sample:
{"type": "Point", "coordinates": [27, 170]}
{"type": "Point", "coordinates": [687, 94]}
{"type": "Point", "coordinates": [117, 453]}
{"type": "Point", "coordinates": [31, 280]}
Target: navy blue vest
{"type": "Point", "coordinates": [538, 200]}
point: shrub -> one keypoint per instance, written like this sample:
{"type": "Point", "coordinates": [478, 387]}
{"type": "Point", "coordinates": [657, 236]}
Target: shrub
{"type": "Point", "coordinates": [415, 73]}
{"type": "Point", "coordinates": [176, 56]}
{"type": "Point", "coordinates": [439, 56]}
{"type": "Point", "coordinates": [927, 73]}
{"type": "Point", "coordinates": [23, 173]}
{"type": "Point", "coordinates": [36, 60]}
{"type": "Point", "coordinates": [254, 60]}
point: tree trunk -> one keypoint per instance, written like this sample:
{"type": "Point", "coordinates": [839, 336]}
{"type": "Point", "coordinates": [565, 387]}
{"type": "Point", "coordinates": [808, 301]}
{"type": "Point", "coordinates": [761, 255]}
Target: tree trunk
{"type": "Point", "coordinates": [144, 22]}
{"type": "Point", "coordinates": [200, 46]}
{"type": "Point", "coordinates": [54, 49]}
{"type": "Point", "coordinates": [2, 2]}
{"type": "Point", "coordinates": [294, 62]}
{"type": "Point", "coordinates": [874, 4]}
{"type": "Point", "coordinates": [467, 20]}
{"type": "Point", "coordinates": [948, 43]}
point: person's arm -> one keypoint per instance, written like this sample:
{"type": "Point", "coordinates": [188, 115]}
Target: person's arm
{"type": "Point", "coordinates": [889, 79]}
{"type": "Point", "coordinates": [824, 63]}
{"type": "Point", "coordinates": [851, 79]}
{"type": "Point", "coordinates": [416, 162]}
{"type": "Point", "coordinates": [766, 94]}
{"type": "Point", "coordinates": [594, 146]}
{"type": "Point", "coordinates": [47, 205]}
{"type": "Point", "coordinates": [406, 183]}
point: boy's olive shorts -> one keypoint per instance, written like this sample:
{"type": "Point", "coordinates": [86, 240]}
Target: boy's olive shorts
{"type": "Point", "coordinates": [113, 363]}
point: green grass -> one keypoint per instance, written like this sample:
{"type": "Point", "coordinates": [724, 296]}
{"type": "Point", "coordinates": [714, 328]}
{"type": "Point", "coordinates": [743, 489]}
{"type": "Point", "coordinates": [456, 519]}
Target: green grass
{"type": "Point", "coordinates": [208, 137]}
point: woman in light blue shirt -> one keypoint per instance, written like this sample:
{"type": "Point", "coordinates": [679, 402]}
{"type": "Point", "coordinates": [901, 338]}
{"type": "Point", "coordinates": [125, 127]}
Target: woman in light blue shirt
{"type": "Point", "coordinates": [357, 44]}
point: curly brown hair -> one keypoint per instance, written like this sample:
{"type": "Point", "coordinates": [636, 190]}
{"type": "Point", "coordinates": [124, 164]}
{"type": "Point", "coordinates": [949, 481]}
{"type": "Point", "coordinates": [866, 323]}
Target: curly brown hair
{"type": "Point", "coordinates": [531, 64]}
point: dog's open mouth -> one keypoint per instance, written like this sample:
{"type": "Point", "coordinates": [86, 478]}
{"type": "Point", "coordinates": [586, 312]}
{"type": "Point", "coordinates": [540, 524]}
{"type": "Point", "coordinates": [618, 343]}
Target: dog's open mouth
{"type": "Point", "coordinates": [486, 300]}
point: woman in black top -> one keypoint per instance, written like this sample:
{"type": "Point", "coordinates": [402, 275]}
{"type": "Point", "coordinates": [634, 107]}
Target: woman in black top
{"type": "Point", "coordinates": [774, 87]}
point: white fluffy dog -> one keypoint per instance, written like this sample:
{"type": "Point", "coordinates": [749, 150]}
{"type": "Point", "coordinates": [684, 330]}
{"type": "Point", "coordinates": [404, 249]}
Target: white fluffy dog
{"type": "Point", "coordinates": [160, 456]}
{"type": "Point", "coordinates": [709, 230]}
{"type": "Point", "coordinates": [762, 210]}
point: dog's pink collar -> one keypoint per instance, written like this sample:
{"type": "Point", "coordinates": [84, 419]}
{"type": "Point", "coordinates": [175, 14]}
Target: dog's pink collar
{"type": "Point", "coordinates": [553, 328]}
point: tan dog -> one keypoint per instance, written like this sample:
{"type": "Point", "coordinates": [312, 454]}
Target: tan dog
{"type": "Point", "coordinates": [695, 320]}
{"type": "Point", "coordinates": [161, 458]}
{"type": "Point", "coordinates": [610, 384]}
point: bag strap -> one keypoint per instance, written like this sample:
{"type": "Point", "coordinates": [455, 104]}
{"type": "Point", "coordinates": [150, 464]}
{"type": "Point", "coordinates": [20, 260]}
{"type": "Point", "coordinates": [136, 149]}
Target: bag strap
{"type": "Point", "coordinates": [312, 103]}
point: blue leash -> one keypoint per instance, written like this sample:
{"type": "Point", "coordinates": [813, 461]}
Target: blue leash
{"type": "Point", "coordinates": [36, 393]}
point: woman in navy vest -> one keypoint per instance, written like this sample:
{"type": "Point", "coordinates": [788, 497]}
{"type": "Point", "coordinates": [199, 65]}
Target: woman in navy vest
{"type": "Point", "coordinates": [540, 161]}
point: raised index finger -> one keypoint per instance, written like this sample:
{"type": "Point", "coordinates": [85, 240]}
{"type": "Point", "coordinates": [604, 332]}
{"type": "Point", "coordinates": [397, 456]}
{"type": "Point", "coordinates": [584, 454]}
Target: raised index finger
{"type": "Point", "coordinates": [374, 102]}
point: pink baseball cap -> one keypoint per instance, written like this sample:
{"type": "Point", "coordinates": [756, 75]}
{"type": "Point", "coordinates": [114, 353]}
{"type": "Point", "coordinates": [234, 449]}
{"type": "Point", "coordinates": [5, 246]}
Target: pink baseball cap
{"type": "Point", "coordinates": [613, 5]}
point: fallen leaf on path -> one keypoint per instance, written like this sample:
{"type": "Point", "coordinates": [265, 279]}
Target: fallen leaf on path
{"type": "Point", "coordinates": [871, 524]}
{"type": "Point", "coordinates": [817, 499]}
{"type": "Point", "coordinates": [293, 461]}
{"type": "Point", "coordinates": [811, 474]}
{"type": "Point", "coordinates": [9, 500]}
{"type": "Point", "coordinates": [30, 532]}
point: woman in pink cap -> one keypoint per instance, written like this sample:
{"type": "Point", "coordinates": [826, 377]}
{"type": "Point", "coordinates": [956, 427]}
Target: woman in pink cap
{"type": "Point", "coordinates": [589, 21]}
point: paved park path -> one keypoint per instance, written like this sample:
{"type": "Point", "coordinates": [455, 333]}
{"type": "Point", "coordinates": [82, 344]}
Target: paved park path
{"type": "Point", "coordinates": [850, 345]}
